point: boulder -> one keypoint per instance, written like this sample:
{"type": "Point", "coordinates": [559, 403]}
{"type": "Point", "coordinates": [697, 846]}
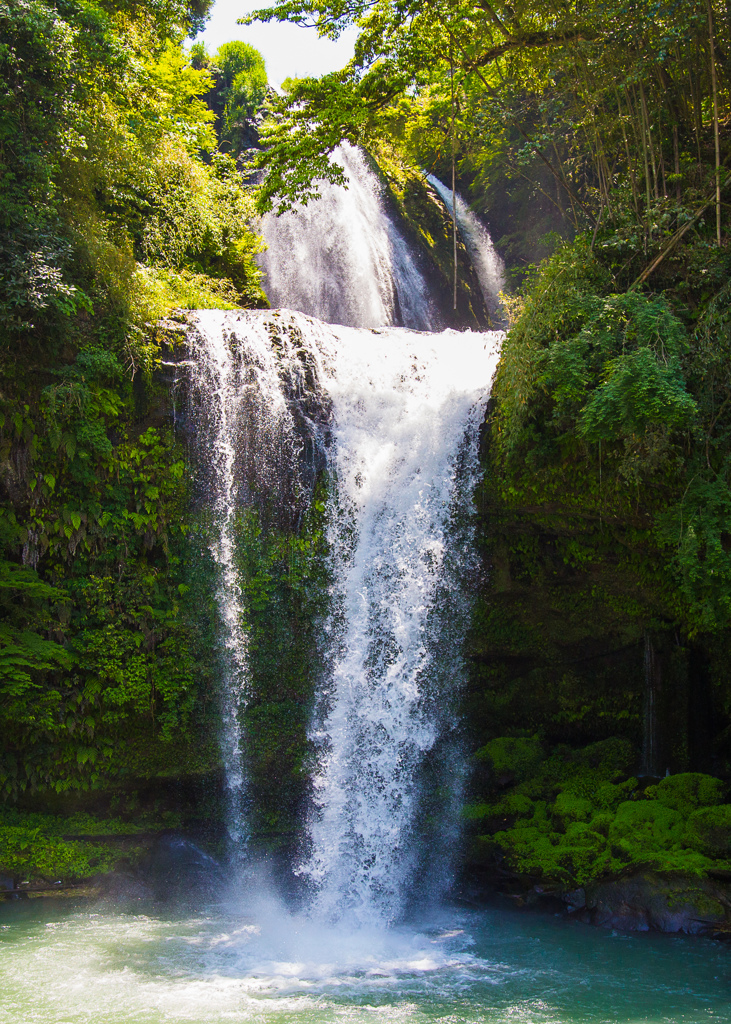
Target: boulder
{"type": "Point", "coordinates": [650, 902]}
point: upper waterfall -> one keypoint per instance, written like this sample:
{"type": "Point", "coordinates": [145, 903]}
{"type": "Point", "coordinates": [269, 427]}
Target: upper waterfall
{"type": "Point", "coordinates": [343, 258]}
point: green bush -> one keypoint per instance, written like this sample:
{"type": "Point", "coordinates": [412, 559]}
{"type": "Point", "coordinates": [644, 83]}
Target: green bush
{"type": "Point", "coordinates": [507, 755]}
{"type": "Point", "coordinates": [568, 820]}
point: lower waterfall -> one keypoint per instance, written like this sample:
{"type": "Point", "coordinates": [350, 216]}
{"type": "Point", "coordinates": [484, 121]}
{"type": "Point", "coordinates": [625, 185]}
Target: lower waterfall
{"type": "Point", "coordinates": [392, 415]}
{"type": "Point", "coordinates": [406, 409]}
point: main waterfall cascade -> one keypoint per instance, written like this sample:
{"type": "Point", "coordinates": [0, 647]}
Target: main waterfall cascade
{"type": "Point", "coordinates": [406, 411]}
{"type": "Point", "coordinates": [388, 417]}
{"type": "Point", "coordinates": [402, 410]}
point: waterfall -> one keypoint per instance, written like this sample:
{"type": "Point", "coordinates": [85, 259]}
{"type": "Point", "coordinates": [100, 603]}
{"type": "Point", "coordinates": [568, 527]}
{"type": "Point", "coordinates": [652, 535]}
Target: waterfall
{"type": "Point", "coordinates": [386, 419]}
{"type": "Point", "coordinates": [343, 259]}
{"type": "Point", "coordinates": [217, 386]}
{"type": "Point", "coordinates": [249, 449]}
{"type": "Point", "coordinates": [489, 267]}
{"type": "Point", "coordinates": [406, 410]}
{"type": "Point", "coordinates": [393, 416]}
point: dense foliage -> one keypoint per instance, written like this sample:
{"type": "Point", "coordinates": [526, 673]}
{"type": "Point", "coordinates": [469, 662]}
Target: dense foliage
{"type": "Point", "coordinates": [594, 139]}
{"type": "Point", "coordinates": [117, 207]}
{"type": "Point", "coordinates": [239, 89]}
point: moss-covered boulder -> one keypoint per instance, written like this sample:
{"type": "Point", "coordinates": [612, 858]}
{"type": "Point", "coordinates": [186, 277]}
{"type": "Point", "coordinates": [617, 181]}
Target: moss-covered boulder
{"type": "Point", "coordinates": [650, 902]}
{"type": "Point", "coordinates": [572, 820]}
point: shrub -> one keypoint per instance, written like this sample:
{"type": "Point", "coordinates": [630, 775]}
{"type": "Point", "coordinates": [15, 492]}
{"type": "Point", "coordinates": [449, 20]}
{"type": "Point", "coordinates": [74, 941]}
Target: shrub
{"type": "Point", "coordinates": [516, 756]}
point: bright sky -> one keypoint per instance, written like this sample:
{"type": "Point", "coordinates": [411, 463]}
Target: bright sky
{"type": "Point", "coordinates": [289, 51]}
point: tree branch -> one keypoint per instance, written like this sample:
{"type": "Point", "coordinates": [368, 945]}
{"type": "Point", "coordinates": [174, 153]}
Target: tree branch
{"type": "Point", "coordinates": [531, 40]}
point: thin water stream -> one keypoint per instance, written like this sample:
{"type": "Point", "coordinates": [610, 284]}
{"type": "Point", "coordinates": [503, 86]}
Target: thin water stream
{"type": "Point", "coordinates": [488, 265]}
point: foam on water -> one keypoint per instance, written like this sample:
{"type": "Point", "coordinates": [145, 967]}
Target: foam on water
{"type": "Point", "coordinates": [256, 962]}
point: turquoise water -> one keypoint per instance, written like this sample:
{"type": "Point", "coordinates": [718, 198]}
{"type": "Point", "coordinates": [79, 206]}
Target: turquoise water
{"type": "Point", "coordinates": [65, 964]}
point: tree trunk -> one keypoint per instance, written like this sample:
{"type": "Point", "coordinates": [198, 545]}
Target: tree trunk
{"type": "Point", "coordinates": [709, 8]}
{"type": "Point", "coordinates": [646, 121]}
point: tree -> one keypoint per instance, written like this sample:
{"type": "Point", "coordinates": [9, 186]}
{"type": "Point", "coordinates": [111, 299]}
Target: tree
{"type": "Point", "coordinates": [579, 99]}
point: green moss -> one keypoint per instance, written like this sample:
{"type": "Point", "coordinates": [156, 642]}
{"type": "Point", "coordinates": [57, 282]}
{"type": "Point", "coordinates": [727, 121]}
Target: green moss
{"type": "Point", "coordinates": [572, 821]}
{"type": "Point", "coordinates": [285, 592]}
{"type": "Point", "coordinates": [708, 830]}
{"type": "Point", "coordinates": [646, 825]}
{"type": "Point", "coordinates": [77, 824]}
{"type": "Point", "coordinates": [572, 808]}
{"type": "Point", "coordinates": [42, 859]}
{"type": "Point", "coordinates": [686, 791]}
{"type": "Point", "coordinates": [517, 757]}
{"type": "Point", "coordinates": [610, 796]}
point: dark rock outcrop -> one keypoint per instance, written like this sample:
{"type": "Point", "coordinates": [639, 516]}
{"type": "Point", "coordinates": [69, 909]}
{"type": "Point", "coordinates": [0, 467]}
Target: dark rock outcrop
{"type": "Point", "coordinates": [650, 902]}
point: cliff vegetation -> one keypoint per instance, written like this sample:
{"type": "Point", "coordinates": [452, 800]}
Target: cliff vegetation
{"type": "Point", "coordinates": [594, 140]}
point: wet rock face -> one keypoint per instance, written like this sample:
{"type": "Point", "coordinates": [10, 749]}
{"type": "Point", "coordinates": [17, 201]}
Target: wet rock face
{"type": "Point", "coordinates": [648, 902]}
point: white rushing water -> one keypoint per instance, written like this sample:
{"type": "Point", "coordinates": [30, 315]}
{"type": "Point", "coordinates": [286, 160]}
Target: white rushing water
{"type": "Point", "coordinates": [343, 259]}
{"type": "Point", "coordinates": [254, 963]}
{"type": "Point", "coordinates": [404, 409]}
{"type": "Point", "coordinates": [246, 446]}
{"type": "Point", "coordinates": [488, 265]}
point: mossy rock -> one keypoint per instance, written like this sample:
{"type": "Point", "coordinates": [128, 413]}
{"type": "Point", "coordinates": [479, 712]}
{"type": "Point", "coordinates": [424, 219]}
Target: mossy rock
{"type": "Point", "coordinates": [571, 807]}
{"type": "Point", "coordinates": [646, 823]}
{"type": "Point", "coordinates": [509, 756]}
{"type": "Point", "coordinates": [687, 790]}
{"type": "Point", "coordinates": [709, 830]}
{"type": "Point", "coordinates": [650, 902]}
{"type": "Point", "coordinates": [573, 820]}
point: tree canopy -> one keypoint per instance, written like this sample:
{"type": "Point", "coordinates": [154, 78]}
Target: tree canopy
{"type": "Point", "coordinates": [591, 96]}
